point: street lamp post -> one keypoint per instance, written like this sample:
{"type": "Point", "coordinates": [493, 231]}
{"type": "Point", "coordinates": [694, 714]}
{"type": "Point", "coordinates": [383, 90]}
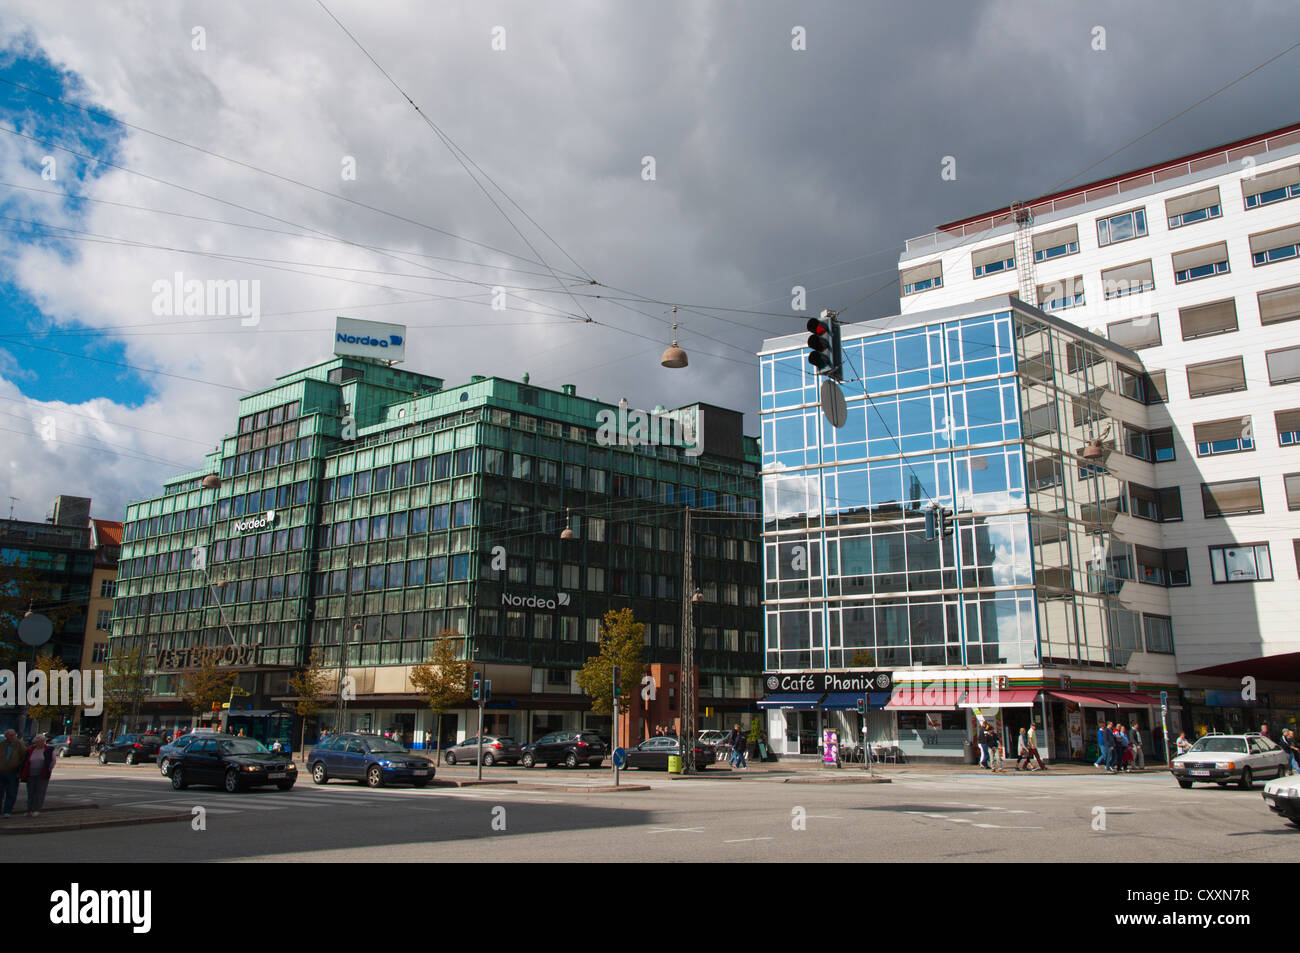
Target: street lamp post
{"type": "Point", "coordinates": [689, 696]}
{"type": "Point", "coordinates": [345, 643]}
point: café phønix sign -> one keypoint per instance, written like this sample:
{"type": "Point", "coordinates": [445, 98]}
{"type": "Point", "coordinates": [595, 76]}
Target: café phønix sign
{"type": "Point", "coordinates": [384, 342]}
{"type": "Point", "coordinates": [821, 682]}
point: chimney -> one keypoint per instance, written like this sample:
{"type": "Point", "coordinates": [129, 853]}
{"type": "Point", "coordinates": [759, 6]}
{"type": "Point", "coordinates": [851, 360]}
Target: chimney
{"type": "Point", "coordinates": [72, 511]}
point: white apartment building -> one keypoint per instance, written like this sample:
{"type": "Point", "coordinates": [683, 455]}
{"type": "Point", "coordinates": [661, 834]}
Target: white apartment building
{"type": "Point", "coordinates": [1194, 264]}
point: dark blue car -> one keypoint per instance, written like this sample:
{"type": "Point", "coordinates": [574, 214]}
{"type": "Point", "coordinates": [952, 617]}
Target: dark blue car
{"type": "Point", "coordinates": [371, 759]}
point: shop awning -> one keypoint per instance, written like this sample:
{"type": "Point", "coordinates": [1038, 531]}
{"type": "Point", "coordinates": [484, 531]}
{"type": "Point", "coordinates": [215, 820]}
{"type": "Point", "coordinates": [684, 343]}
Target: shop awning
{"type": "Point", "coordinates": [917, 696]}
{"type": "Point", "coordinates": [1003, 698]}
{"type": "Point", "coordinates": [1140, 699]}
{"type": "Point", "coordinates": [802, 701]}
{"type": "Point", "coordinates": [1086, 699]}
{"type": "Point", "coordinates": [840, 701]}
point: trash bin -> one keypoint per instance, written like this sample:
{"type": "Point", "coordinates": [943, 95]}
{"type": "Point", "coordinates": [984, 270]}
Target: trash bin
{"type": "Point", "coordinates": [674, 764]}
{"type": "Point", "coordinates": [762, 751]}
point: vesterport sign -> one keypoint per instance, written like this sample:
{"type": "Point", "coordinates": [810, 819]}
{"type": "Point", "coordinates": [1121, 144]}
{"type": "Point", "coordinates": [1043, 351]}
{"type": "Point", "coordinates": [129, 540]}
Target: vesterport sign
{"type": "Point", "coordinates": [534, 602]}
{"type": "Point", "coordinates": [252, 523]}
{"type": "Point", "coordinates": [222, 655]}
{"type": "Point", "coordinates": [828, 681]}
{"type": "Point", "coordinates": [353, 338]}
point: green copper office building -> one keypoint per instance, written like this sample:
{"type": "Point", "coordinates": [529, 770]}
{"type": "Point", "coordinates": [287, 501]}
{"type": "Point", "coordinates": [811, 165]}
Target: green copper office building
{"type": "Point", "coordinates": [356, 504]}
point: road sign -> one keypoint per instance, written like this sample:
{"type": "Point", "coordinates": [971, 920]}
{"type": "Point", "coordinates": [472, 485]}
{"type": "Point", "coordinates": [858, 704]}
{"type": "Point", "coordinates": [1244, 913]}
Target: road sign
{"type": "Point", "coordinates": [620, 757]}
{"type": "Point", "coordinates": [834, 408]}
{"type": "Point", "coordinates": [35, 629]}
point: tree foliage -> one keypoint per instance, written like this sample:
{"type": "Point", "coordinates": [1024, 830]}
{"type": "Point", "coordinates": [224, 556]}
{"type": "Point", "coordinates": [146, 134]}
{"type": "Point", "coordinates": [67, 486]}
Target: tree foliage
{"type": "Point", "coordinates": [124, 685]}
{"type": "Point", "coordinates": [50, 664]}
{"type": "Point", "coordinates": [442, 680]}
{"type": "Point", "coordinates": [622, 643]}
{"type": "Point", "coordinates": [206, 687]}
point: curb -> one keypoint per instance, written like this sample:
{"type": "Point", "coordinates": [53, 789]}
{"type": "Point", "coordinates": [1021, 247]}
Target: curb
{"type": "Point", "coordinates": [106, 820]}
{"type": "Point", "coordinates": [869, 779]}
{"type": "Point", "coordinates": [585, 788]}
{"type": "Point", "coordinates": [467, 783]}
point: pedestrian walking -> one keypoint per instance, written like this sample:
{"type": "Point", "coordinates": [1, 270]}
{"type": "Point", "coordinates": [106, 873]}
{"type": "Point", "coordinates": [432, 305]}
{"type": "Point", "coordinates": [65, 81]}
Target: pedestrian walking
{"type": "Point", "coordinates": [1135, 741]}
{"type": "Point", "coordinates": [983, 748]}
{"type": "Point", "coordinates": [1183, 744]}
{"type": "Point", "coordinates": [991, 743]}
{"type": "Point", "coordinates": [1106, 742]}
{"type": "Point", "coordinates": [1022, 751]}
{"type": "Point", "coordinates": [737, 741]}
{"type": "Point", "coordinates": [1122, 754]}
{"type": "Point", "coordinates": [1032, 737]}
{"type": "Point", "coordinates": [999, 756]}
{"type": "Point", "coordinates": [36, 772]}
{"type": "Point", "coordinates": [12, 754]}
{"type": "Point", "coordinates": [1288, 744]}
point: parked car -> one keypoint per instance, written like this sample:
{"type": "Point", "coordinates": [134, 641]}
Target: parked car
{"type": "Point", "coordinates": [1225, 758]}
{"type": "Point", "coordinates": [569, 748]}
{"type": "Point", "coordinates": [1282, 795]}
{"type": "Point", "coordinates": [496, 748]}
{"type": "Point", "coordinates": [232, 763]}
{"type": "Point", "coordinates": [371, 759]}
{"type": "Point", "coordinates": [172, 751]}
{"type": "Point", "coordinates": [131, 749]}
{"type": "Point", "coordinates": [77, 746]}
{"type": "Point", "coordinates": [717, 740]}
{"type": "Point", "coordinates": [653, 753]}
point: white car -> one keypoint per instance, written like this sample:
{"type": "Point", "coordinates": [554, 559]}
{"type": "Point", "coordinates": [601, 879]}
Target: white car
{"type": "Point", "coordinates": [1283, 797]}
{"type": "Point", "coordinates": [1226, 758]}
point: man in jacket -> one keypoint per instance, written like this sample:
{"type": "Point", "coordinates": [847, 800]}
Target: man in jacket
{"type": "Point", "coordinates": [12, 754]}
{"type": "Point", "coordinates": [1106, 746]}
{"type": "Point", "coordinates": [1031, 738]}
{"type": "Point", "coordinates": [1135, 740]}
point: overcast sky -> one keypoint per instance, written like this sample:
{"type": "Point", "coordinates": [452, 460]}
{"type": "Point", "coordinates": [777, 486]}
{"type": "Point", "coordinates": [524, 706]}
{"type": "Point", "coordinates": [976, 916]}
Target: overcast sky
{"type": "Point", "coordinates": [772, 167]}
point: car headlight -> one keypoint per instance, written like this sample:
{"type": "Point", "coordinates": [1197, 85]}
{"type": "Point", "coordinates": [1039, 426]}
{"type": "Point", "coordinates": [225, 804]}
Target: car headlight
{"type": "Point", "coordinates": [251, 767]}
{"type": "Point", "coordinates": [387, 764]}
{"type": "Point", "coordinates": [1225, 765]}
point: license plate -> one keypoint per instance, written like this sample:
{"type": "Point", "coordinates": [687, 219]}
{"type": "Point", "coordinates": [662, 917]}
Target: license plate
{"type": "Point", "coordinates": [275, 775]}
{"type": "Point", "coordinates": [1201, 774]}
{"type": "Point", "coordinates": [420, 771]}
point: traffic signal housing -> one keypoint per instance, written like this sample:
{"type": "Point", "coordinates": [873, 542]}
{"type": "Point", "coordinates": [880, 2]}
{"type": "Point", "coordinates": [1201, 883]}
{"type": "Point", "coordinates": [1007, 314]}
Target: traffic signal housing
{"type": "Point", "coordinates": [862, 706]}
{"type": "Point", "coordinates": [946, 524]}
{"type": "Point", "coordinates": [478, 688]}
{"type": "Point", "coordinates": [824, 352]}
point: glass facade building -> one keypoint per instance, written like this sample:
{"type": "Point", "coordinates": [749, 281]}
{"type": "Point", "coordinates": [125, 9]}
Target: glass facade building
{"type": "Point", "coordinates": [363, 501]}
{"type": "Point", "coordinates": [984, 410]}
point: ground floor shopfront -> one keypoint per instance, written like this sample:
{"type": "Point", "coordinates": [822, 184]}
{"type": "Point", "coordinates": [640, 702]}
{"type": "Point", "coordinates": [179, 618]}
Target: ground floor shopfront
{"type": "Point", "coordinates": [934, 717]}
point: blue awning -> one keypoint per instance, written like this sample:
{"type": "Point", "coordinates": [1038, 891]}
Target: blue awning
{"type": "Point", "coordinates": [803, 701]}
{"type": "Point", "coordinates": [838, 701]}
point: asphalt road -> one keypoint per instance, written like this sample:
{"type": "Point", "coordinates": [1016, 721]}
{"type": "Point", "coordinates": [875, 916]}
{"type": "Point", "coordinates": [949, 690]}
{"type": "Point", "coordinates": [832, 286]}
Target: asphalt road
{"type": "Point", "coordinates": [918, 817]}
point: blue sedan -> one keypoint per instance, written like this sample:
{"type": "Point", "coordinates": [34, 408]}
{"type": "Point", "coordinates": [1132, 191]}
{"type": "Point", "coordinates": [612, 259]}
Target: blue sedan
{"type": "Point", "coordinates": [371, 759]}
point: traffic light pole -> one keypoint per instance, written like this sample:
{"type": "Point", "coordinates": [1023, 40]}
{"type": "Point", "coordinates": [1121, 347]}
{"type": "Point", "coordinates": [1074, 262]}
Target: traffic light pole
{"type": "Point", "coordinates": [482, 693]}
{"type": "Point", "coordinates": [614, 734]}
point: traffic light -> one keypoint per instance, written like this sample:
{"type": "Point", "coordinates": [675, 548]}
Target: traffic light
{"type": "Point", "coordinates": [618, 680]}
{"type": "Point", "coordinates": [478, 688]}
{"type": "Point", "coordinates": [487, 691]}
{"type": "Point", "coordinates": [862, 706]}
{"type": "Point", "coordinates": [946, 525]}
{"type": "Point", "coordinates": [931, 522]}
{"type": "Point", "coordinates": [824, 345]}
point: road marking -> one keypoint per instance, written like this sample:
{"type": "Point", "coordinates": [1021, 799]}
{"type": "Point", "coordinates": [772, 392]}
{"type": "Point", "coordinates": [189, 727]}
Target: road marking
{"type": "Point", "coordinates": [677, 830]}
{"type": "Point", "coordinates": [745, 840]}
{"type": "Point", "coordinates": [1004, 827]}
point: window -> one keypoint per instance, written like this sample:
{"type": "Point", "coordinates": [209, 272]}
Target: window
{"type": "Point", "coordinates": [1279, 304]}
{"type": "Point", "coordinates": [1197, 263]}
{"type": "Point", "coordinates": [1232, 498]}
{"type": "Point", "coordinates": [989, 261]}
{"type": "Point", "coordinates": [1231, 435]}
{"type": "Point", "coordinates": [1127, 280]}
{"type": "Point", "coordinates": [1283, 365]}
{"type": "Point", "coordinates": [1162, 567]}
{"type": "Point", "coordinates": [1271, 187]}
{"type": "Point", "coordinates": [1290, 482]}
{"type": "Point", "coordinates": [1061, 294]}
{"type": "Point", "coordinates": [1159, 631]}
{"type": "Point", "coordinates": [1154, 445]}
{"type": "Point", "coordinates": [1288, 427]}
{"type": "Point", "coordinates": [1135, 333]}
{"type": "Point", "coordinates": [1140, 386]}
{"type": "Point", "coordinates": [1217, 317]}
{"type": "Point", "coordinates": [1247, 563]}
{"type": "Point", "coordinates": [921, 277]}
{"type": "Point", "coordinates": [1279, 244]}
{"type": "Point", "coordinates": [99, 654]}
{"type": "Point", "coordinates": [1122, 227]}
{"type": "Point", "coordinates": [1056, 243]}
{"type": "Point", "coordinates": [107, 589]}
{"type": "Point", "coordinates": [1155, 504]}
{"type": "Point", "coordinates": [104, 617]}
{"type": "Point", "coordinates": [1216, 377]}
{"type": "Point", "coordinates": [1193, 207]}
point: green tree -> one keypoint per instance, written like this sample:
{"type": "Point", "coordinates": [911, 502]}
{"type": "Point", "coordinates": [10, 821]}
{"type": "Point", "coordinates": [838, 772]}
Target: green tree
{"type": "Point", "coordinates": [863, 658]}
{"type": "Point", "coordinates": [49, 664]}
{"type": "Point", "coordinates": [124, 685]}
{"type": "Point", "coordinates": [24, 588]}
{"type": "Point", "coordinates": [442, 680]}
{"type": "Point", "coordinates": [206, 688]}
{"type": "Point", "coordinates": [310, 686]}
{"type": "Point", "coordinates": [622, 642]}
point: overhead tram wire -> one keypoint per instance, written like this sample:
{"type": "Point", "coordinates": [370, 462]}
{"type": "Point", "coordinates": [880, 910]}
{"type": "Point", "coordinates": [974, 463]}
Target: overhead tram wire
{"type": "Point", "coordinates": [456, 152]}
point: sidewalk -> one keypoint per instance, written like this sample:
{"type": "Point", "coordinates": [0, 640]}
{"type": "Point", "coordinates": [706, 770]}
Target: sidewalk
{"type": "Point", "coordinates": [65, 814]}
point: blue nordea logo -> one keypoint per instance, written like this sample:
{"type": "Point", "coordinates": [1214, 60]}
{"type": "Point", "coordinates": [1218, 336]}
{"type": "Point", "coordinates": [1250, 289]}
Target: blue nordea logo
{"type": "Point", "coordinates": [365, 340]}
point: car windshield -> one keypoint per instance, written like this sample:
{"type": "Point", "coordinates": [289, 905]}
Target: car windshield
{"type": "Point", "coordinates": [384, 745]}
{"type": "Point", "coordinates": [243, 746]}
{"type": "Point", "coordinates": [1233, 745]}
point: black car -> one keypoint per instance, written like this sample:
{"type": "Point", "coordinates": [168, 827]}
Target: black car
{"type": "Point", "coordinates": [653, 754]}
{"type": "Point", "coordinates": [569, 748]}
{"type": "Point", "coordinates": [131, 749]}
{"type": "Point", "coordinates": [371, 759]}
{"type": "Point", "coordinates": [232, 763]}
{"type": "Point", "coordinates": [76, 746]}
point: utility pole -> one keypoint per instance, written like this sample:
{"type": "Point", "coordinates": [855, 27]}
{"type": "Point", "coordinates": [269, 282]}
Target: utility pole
{"type": "Point", "coordinates": [344, 645]}
{"type": "Point", "coordinates": [686, 743]}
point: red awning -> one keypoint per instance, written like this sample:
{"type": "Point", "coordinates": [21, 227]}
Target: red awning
{"type": "Point", "coordinates": [1086, 699]}
{"type": "Point", "coordinates": [1002, 698]}
{"type": "Point", "coordinates": [1140, 699]}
